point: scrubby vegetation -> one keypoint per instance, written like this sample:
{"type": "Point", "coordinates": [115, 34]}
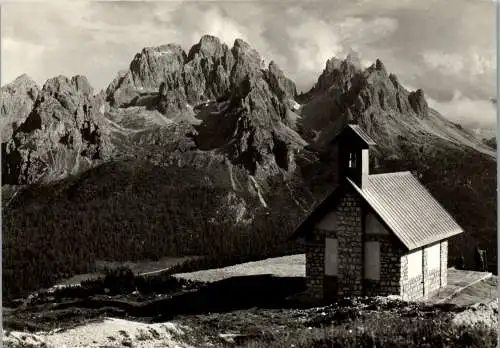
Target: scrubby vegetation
{"type": "Point", "coordinates": [347, 323]}
{"type": "Point", "coordinates": [387, 332]}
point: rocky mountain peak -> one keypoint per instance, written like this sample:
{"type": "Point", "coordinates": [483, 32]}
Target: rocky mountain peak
{"type": "Point", "coordinates": [22, 82]}
{"type": "Point", "coordinates": [22, 85]}
{"type": "Point", "coordinates": [241, 44]}
{"type": "Point", "coordinates": [418, 103]}
{"type": "Point", "coordinates": [379, 65]}
{"type": "Point", "coordinates": [337, 75]}
{"type": "Point", "coordinates": [208, 46]}
{"type": "Point", "coordinates": [333, 64]}
{"type": "Point", "coordinates": [371, 97]}
{"type": "Point", "coordinates": [353, 59]}
{"type": "Point", "coordinates": [17, 100]}
{"type": "Point", "coordinates": [279, 83]}
{"type": "Point", "coordinates": [63, 132]}
{"type": "Point", "coordinates": [210, 71]}
{"type": "Point", "coordinates": [72, 93]}
{"type": "Point", "coordinates": [149, 67]}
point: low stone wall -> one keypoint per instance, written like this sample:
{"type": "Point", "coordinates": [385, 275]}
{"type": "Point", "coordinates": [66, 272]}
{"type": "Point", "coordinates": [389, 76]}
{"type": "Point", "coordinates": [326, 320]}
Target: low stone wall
{"type": "Point", "coordinates": [315, 269]}
{"type": "Point", "coordinates": [330, 287]}
{"type": "Point", "coordinates": [371, 287]}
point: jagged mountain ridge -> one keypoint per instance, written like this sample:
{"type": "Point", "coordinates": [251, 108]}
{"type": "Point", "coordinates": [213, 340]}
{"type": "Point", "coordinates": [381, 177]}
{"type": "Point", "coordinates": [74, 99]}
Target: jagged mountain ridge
{"type": "Point", "coordinates": [62, 134]}
{"type": "Point", "coordinates": [374, 99]}
{"type": "Point", "coordinates": [221, 112]}
{"type": "Point", "coordinates": [17, 100]}
{"type": "Point", "coordinates": [214, 82]}
{"type": "Point", "coordinates": [213, 86]}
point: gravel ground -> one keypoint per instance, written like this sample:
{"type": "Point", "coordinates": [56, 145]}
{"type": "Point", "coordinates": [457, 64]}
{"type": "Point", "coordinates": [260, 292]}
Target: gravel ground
{"type": "Point", "coordinates": [479, 313]}
{"type": "Point", "coordinates": [108, 333]}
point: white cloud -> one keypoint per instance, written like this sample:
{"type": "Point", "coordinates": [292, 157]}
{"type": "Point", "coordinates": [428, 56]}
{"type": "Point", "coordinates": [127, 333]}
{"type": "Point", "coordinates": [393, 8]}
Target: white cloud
{"type": "Point", "coordinates": [473, 62]}
{"type": "Point", "coordinates": [446, 63]}
{"type": "Point", "coordinates": [359, 31]}
{"type": "Point", "coordinates": [431, 45]}
{"type": "Point", "coordinates": [466, 111]}
{"type": "Point", "coordinates": [22, 56]}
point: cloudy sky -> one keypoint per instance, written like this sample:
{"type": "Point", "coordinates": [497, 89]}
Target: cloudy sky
{"type": "Point", "coordinates": [445, 47]}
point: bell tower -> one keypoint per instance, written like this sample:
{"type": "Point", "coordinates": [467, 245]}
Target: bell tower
{"type": "Point", "coordinates": [353, 147]}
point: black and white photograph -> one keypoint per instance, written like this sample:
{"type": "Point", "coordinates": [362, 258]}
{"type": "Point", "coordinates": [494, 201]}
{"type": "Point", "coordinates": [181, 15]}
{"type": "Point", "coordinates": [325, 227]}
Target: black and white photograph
{"type": "Point", "coordinates": [249, 173]}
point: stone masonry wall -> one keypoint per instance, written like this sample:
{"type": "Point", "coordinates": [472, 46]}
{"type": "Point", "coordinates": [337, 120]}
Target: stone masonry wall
{"type": "Point", "coordinates": [411, 289]}
{"type": "Point", "coordinates": [430, 282]}
{"type": "Point", "coordinates": [350, 246]}
{"type": "Point", "coordinates": [432, 278]}
{"type": "Point", "coordinates": [444, 263]}
{"type": "Point", "coordinates": [315, 269]}
{"type": "Point", "coordinates": [390, 267]}
{"type": "Point", "coordinates": [348, 232]}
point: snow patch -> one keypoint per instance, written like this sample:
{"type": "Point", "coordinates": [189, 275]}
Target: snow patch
{"type": "Point", "coordinates": [294, 105]}
{"type": "Point", "coordinates": [257, 188]}
{"type": "Point", "coordinates": [231, 178]}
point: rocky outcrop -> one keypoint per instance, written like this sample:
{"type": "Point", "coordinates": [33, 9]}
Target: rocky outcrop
{"type": "Point", "coordinates": [492, 142]}
{"type": "Point", "coordinates": [189, 79]}
{"type": "Point", "coordinates": [371, 97]}
{"type": "Point", "coordinates": [243, 107]}
{"type": "Point", "coordinates": [64, 133]}
{"type": "Point", "coordinates": [17, 100]}
{"type": "Point", "coordinates": [210, 71]}
{"type": "Point", "coordinates": [418, 103]}
{"type": "Point", "coordinates": [250, 129]}
{"type": "Point", "coordinates": [242, 104]}
{"type": "Point", "coordinates": [279, 83]}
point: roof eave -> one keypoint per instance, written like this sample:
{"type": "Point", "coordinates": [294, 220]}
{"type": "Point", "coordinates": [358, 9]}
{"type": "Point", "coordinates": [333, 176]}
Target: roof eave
{"type": "Point", "coordinates": [434, 240]}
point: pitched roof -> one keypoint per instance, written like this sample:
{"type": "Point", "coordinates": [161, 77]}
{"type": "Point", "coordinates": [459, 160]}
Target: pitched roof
{"type": "Point", "coordinates": [408, 209]}
{"type": "Point", "coordinates": [402, 203]}
{"type": "Point", "coordinates": [362, 134]}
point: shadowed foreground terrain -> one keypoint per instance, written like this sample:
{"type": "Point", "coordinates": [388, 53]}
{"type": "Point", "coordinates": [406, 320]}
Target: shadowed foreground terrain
{"type": "Point", "coordinates": [245, 311]}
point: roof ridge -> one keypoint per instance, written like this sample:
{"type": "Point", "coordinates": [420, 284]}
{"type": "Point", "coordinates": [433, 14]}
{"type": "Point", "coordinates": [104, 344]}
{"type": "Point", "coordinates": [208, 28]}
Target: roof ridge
{"type": "Point", "coordinates": [362, 134]}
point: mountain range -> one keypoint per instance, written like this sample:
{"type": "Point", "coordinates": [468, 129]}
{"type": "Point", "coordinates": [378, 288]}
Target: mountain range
{"type": "Point", "coordinates": [211, 152]}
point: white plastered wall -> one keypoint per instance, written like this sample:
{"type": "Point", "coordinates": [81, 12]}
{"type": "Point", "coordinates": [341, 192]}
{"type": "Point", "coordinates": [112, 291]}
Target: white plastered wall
{"type": "Point", "coordinates": [415, 263]}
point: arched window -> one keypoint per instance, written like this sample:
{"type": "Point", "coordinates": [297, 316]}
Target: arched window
{"type": "Point", "coordinates": [352, 160]}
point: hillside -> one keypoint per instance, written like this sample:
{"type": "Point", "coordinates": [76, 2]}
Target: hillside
{"type": "Point", "coordinates": [211, 152]}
